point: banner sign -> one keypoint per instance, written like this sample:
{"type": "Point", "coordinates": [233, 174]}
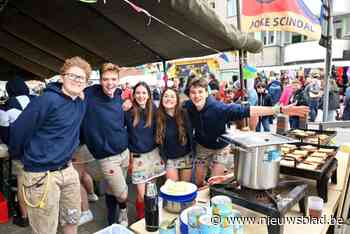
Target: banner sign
{"type": "Point", "coordinates": [280, 15]}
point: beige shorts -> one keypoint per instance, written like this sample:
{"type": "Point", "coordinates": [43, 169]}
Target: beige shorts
{"type": "Point", "coordinates": [207, 157]}
{"type": "Point", "coordinates": [82, 155]}
{"type": "Point", "coordinates": [184, 162]}
{"type": "Point", "coordinates": [114, 170]}
{"type": "Point", "coordinates": [147, 167]}
{"type": "Point", "coordinates": [62, 203]}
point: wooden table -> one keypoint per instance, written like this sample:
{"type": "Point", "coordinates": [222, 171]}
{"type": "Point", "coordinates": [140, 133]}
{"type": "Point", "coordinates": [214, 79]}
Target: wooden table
{"type": "Point", "coordinates": [335, 196]}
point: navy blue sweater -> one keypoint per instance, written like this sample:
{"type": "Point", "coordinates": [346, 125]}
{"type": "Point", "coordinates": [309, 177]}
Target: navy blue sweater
{"type": "Point", "coordinates": [171, 147]}
{"type": "Point", "coordinates": [104, 128]}
{"type": "Point", "coordinates": [210, 122]}
{"type": "Point", "coordinates": [46, 134]}
{"type": "Point", "coordinates": [141, 139]}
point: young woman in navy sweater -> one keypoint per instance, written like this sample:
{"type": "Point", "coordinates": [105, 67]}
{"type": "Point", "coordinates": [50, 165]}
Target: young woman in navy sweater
{"type": "Point", "coordinates": [141, 126]}
{"type": "Point", "coordinates": [174, 136]}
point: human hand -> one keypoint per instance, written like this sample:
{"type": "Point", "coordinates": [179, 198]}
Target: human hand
{"type": "Point", "coordinates": [127, 104]}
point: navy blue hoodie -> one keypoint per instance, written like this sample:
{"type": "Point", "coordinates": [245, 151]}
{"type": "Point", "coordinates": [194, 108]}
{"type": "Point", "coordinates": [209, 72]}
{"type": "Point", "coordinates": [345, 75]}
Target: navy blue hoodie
{"type": "Point", "coordinates": [18, 100]}
{"type": "Point", "coordinates": [104, 129]}
{"type": "Point", "coordinates": [210, 122]}
{"type": "Point", "coordinates": [171, 147]}
{"type": "Point", "coordinates": [141, 139]}
{"type": "Point", "coordinates": [46, 134]}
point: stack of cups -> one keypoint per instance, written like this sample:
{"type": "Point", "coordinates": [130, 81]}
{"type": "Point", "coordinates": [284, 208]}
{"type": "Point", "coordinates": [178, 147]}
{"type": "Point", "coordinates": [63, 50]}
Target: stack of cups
{"type": "Point", "coordinates": [193, 215]}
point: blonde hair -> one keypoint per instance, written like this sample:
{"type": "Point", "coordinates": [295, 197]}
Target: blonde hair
{"type": "Point", "coordinates": [110, 67]}
{"type": "Point", "coordinates": [76, 62]}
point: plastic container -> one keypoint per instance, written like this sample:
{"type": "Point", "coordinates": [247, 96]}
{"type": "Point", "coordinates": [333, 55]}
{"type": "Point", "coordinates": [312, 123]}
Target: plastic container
{"type": "Point", "coordinates": [176, 204]}
{"type": "Point", "coordinates": [115, 229]}
{"type": "Point", "coordinates": [4, 211]}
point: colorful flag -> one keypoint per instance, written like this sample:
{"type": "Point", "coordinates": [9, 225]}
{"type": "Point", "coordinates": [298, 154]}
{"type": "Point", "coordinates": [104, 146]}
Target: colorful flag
{"type": "Point", "coordinates": [249, 72]}
{"type": "Point", "coordinates": [280, 15]}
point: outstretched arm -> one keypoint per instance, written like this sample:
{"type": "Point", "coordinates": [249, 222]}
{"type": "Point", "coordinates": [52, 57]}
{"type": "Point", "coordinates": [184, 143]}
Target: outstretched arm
{"type": "Point", "coordinates": [256, 111]}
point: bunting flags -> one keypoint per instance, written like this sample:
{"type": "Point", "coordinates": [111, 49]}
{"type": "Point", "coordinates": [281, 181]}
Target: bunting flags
{"type": "Point", "coordinates": [280, 15]}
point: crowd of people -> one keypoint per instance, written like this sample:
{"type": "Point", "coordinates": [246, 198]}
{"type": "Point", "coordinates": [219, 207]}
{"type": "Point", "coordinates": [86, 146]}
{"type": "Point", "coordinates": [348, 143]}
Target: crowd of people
{"type": "Point", "coordinates": [178, 138]}
{"type": "Point", "coordinates": [279, 89]}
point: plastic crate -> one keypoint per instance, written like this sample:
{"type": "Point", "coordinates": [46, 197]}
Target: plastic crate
{"type": "Point", "coordinates": [115, 229]}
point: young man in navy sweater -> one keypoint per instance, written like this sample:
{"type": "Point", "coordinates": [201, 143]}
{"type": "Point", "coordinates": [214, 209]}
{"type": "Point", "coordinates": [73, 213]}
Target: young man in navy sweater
{"type": "Point", "coordinates": [209, 118]}
{"type": "Point", "coordinates": [104, 133]}
{"type": "Point", "coordinates": [45, 137]}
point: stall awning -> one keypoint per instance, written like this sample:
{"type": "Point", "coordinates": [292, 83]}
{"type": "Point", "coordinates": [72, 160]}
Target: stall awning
{"type": "Point", "coordinates": [38, 35]}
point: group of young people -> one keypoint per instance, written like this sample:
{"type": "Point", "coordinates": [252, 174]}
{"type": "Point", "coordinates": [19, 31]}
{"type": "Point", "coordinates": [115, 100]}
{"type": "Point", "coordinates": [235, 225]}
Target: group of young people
{"type": "Point", "coordinates": [170, 139]}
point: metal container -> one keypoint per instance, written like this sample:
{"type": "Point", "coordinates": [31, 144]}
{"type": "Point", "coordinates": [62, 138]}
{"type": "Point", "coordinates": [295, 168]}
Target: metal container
{"type": "Point", "coordinates": [257, 165]}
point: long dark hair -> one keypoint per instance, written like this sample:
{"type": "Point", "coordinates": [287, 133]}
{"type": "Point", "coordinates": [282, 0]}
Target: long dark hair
{"type": "Point", "coordinates": [136, 110]}
{"type": "Point", "coordinates": [178, 116]}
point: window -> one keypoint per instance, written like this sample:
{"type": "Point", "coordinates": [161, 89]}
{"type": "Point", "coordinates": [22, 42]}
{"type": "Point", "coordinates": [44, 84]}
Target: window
{"type": "Point", "coordinates": [268, 38]}
{"type": "Point", "coordinates": [231, 8]}
{"type": "Point", "coordinates": [212, 4]}
{"type": "Point", "coordinates": [296, 38]}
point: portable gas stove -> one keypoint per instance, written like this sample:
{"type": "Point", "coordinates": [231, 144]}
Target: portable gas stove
{"type": "Point", "coordinates": [274, 203]}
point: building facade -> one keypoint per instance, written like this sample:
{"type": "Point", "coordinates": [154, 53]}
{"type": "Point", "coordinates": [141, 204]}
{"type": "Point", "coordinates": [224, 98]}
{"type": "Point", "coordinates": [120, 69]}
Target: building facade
{"type": "Point", "coordinates": [286, 48]}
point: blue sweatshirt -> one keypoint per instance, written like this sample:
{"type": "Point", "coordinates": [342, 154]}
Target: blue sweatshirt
{"type": "Point", "coordinates": [171, 147]}
{"type": "Point", "coordinates": [46, 134]}
{"type": "Point", "coordinates": [104, 129]}
{"type": "Point", "coordinates": [210, 122]}
{"type": "Point", "coordinates": [141, 139]}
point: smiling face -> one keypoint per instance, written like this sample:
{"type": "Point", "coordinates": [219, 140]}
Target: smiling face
{"type": "Point", "coordinates": [74, 81]}
{"type": "Point", "coordinates": [109, 82]}
{"type": "Point", "coordinates": [198, 96]}
{"type": "Point", "coordinates": [141, 96]}
{"type": "Point", "coordinates": [169, 100]}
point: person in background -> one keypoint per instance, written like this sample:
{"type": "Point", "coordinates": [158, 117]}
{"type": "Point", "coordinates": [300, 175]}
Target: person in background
{"type": "Point", "coordinates": [80, 161]}
{"type": "Point", "coordinates": [333, 101]}
{"type": "Point", "coordinates": [104, 133]}
{"type": "Point", "coordinates": [314, 94]}
{"type": "Point", "coordinates": [45, 137]}
{"type": "Point", "coordinates": [174, 137]}
{"type": "Point", "coordinates": [346, 112]}
{"type": "Point", "coordinates": [141, 126]}
{"type": "Point", "coordinates": [297, 98]}
{"type": "Point", "coordinates": [127, 92]}
{"type": "Point", "coordinates": [264, 99]}
{"type": "Point", "coordinates": [209, 118]}
{"type": "Point", "coordinates": [19, 99]}
{"type": "Point", "coordinates": [213, 82]}
{"type": "Point", "coordinates": [274, 88]}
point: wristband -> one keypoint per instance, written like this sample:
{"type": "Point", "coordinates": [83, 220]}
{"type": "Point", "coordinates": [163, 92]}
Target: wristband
{"type": "Point", "coordinates": [277, 109]}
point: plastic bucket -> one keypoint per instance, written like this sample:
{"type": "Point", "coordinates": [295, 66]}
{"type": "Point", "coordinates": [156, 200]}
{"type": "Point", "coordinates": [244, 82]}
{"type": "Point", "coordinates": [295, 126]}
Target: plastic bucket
{"type": "Point", "coordinates": [4, 211]}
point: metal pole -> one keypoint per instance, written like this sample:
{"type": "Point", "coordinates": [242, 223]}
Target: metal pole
{"type": "Point", "coordinates": [327, 75]}
{"type": "Point", "coordinates": [240, 52]}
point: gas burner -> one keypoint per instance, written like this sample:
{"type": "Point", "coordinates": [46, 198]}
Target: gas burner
{"type": "Point", "coordinates": [273, 203]}
{"type": "Point", "coordinates": [263, 198]}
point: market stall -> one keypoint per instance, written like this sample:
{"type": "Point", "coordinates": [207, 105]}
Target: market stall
{"type": "Point", "coordinates": [295, 197]}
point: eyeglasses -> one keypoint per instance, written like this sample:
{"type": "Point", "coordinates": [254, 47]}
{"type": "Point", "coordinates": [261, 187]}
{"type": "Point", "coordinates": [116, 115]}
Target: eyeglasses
{"type": "Point", "coordinates": [76, 78]}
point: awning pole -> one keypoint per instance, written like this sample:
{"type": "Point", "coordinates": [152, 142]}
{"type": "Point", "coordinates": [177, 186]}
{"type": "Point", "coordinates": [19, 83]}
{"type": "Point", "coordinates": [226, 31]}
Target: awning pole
{"type": "Point", "coordinates": [241, 54]}
{"type": "Point", "coordinates": [327, 74]}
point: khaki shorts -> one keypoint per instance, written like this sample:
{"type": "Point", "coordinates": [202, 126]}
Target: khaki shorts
{"type": "Point", "coordinates": [147, 167]}
{"type": "Point", "coordinates": [207, 157]}
{"type": "Point", "coordinates": [184, 162]}
{"type": "Point", "coordinates": [62, 203]}
{"type": "Point", "coordinates": [82, 155]}
{"type": "Point", "coordinates": [114, 170]}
